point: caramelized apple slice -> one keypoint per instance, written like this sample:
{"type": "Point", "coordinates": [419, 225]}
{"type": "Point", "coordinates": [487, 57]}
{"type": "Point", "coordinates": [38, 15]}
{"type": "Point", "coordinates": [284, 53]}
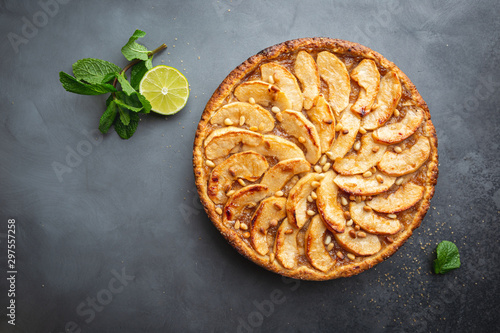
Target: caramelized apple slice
{"type": "Point", "coordinates": [323, 119]}
{"type": "Point", "coordinates": [241, 199]}
{"type": "Point", "coordinates": [276, 177]}
{"type": "Point", "coordinates": [365, 246]}
{"type": "Point", "coordinates": [359, 185]}
{"type": "Point", "coordinates": [328, 207]}
{"type": "Point", "coordinates": [277, 147]}
{"type": "Point", "coordinates": [296, 205]}
{"type": "Point", "coordinates": [268, 214]}
{"type": "Point", "coordinates": [405, 197]}
{"type": "Point", "coordinates": [347, 135]}
{"type": "Point", "coordinates": [368, 156]}
{"type": "Point", "coordinates": [296, 124]}
{"type": "Point", "coordinates": [408, 161]}
{"type": "Point", "coordinates": [372, 222]}
{"type": "Point", "coordinates": [333, 71]}
{"type": "Point", "coordinates": [397, 132]}
{"type": "Point", "coordinates": [262, 93]}
{"type": "Point", "coordinates": [223, 140]}
{"type": "Point", "coordinates": [316, 253]}
{"type": "Point", "coordinates": [368, 78]}
{"type": "Point", "coordinates": [306, 71]}
{"type": "Point", "coordinates": [285, 81]}
{"type": "Point", "coordinates": [253, 115]}
{"type": "Point", "coordinates": [388, 98]}
{"type": "Point", "coordinates": [285, 245]}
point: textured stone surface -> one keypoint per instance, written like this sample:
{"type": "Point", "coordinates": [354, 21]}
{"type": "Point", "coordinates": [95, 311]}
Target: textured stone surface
{"type": "Point", "coordinates": [129, 207]}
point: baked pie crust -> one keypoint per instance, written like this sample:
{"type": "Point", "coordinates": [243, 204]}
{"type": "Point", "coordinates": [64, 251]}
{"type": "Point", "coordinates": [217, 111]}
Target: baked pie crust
{"type": "Point", "coordinates": [316, 158]}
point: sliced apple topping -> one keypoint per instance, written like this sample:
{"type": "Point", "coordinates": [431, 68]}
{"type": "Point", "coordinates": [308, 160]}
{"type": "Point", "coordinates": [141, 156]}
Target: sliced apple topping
{"type": "Point", "coordinates": [322, 117]}
{"type": "Point", "coordinates": [296, 205]}
{"type": "Point", "coordinates": [316, 252]}
{"type": "Point", "coordinates": [349, 124]}
{"type": "Point", "coordinates": [223, 140]}
{"type": "Point", "coordinates": [268, 214]}
{"type": "Point", "coordinates": [360, 185]}
{"type": "Point", "coordinates": [306, 71]}
{"type": "Point", "coordinates": [397, 132]}
{"type": "Point", "coordinates": [364, 216]}
{"type": "Point", "coordinates": [240, 113]}
{"type": "Point", "coordinates": [285, 245]}
{"type": "Point", "coordinates": [333, 71]}
{"type": "Point", "coordinates": [285, 80]}
{"type": "Point", "coordinates": [369, 154]}
{"type": "Point", "coordinates": [328, 207]}
{"type": "Point", "coordinates": [276, 177]}
{"type": "Point", "coordinates": [243, 198]}
{"type": "Point", "coordinates": [297, 125]}
{"type": "Point", "coordinates": [368, 78]}
{"type": "Point", "coordinates": [262, 93]}
{"type": "Point", "coordinates": [388, 98]}
{"type": "Point", "coordinates": [360, 246]}
{"type": "Point", "coordinates": [247, 165]}
{"type": "Point", "coordinates": [277, 147]}
{"type": "Point", "coordinates": [404, 198]}
{"type": "Point", "coordinates": [409, 160]}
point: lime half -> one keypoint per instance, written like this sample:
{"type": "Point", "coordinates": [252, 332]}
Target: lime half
{"type": "Point", "coordinates": [165, 88]}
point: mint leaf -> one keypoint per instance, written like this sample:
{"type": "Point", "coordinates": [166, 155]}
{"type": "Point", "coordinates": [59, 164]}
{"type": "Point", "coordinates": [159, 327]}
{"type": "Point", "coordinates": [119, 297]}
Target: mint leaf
{"type": "Point", "coordinates": [108, 116]}
{"type": "Point", "coordinates": [126, 87]}
{"type": "Point", "coordinates": [126, 131]}
{"type": "Point", "coordinates": [136, 74]}
{"type": "Point", "coordinates": [133, 50]}
{"type": "Point", "coordinates": [124, 115]}
{"type": "Point", "coordinates": [145, 103]}
{"type": "Point", "coordinates": [71, 84]}
{"type": "Point", "coordinates": [93, 70]}
{"type": "Point", "coordinates": [131, 102]}
{"type": "Point", "coordinates": [108, 77]}
{"type": "Point", "coordinates": [447, 259]}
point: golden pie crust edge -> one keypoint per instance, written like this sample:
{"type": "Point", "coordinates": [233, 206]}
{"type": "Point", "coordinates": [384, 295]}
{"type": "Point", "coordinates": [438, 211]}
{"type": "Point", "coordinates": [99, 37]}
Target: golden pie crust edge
{"type": "Point", "coordinates": [337, 46]}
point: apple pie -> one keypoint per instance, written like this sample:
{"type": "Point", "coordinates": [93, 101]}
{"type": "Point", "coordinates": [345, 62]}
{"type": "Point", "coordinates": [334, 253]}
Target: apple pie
{"type": "Point", "coordinates": [316, 158]}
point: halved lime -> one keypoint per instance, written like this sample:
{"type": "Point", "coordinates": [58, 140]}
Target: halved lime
{"type": "Point", "coordinates": [165, 88]}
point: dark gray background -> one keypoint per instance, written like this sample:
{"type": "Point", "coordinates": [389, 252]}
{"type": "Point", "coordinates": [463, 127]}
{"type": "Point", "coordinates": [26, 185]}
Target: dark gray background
{"type": "Point", "coordinates": [129, 207]}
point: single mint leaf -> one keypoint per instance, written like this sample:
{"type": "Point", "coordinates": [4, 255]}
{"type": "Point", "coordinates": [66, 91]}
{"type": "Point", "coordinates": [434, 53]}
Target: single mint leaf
{"type": "Point", "coordinates": [149, 63]}
{"type": "Point", "coordinates": [136, 74]}
{"type": "Point", "coordinates": [108, 77]}
{"type": "Point", "coordinates": [447, 259]}
{"type": "Point", "coordinates": [93, 70]}
{"type": "Point", "coordinates": [124, 115]}
{"type": "Point", "coordinates": [108, 116]}
{"type": "Point", "coordinates": [71, 84]}
{"type": "Point", "coordinates": [126, 131]}
{"type": "Point", "coordinates": [131, 102]}
{"type": "Point", "coordinates": [126, 87]}
{"type": "Point", "coordinates": [145, 103]}
{"type": "Point", "coordinates": [133, 50]}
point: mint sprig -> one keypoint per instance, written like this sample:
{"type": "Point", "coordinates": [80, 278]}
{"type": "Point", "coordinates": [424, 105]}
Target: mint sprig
{"type": "Point", "coordinates": [97, 77]}
{"type": "Point", "coordinates": [447, 259]}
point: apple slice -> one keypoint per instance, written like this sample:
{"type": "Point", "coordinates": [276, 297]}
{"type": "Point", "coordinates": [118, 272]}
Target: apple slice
{"type": "Point", "coordinates": [238, 202]}
{"type": "Point", "coordinates": [276, 177]}
{"type": "Point", "coordinates": [368, 78]}
{"type": "Point", "coordinates": [322, 117]}
{"type": "Point", "coordinates": [368, 156]}
{"type": "Point", "coordinates": [359, 185]}
{"type": "Point", "coordinates": [262, 93]}
{"type": "Point", "coordinates": [371, 222]}
{"type": "Point", "coordinates": [285, 245]}
{"type": "Point", "coordinates": [254, 116]}
{"type": "Point", "coordinates": [223, 140]}
{"type": "Point", "coordinates": [408, 161]}
{"type": "Point", "coordinates": [285, 81]}
{"type": "Point", "coordinates": [388, 98]}
{"type": "Point", "coordinates": [247, 165]}
{"type": "Point", "coordinates": [350, 126]}
{"type": "Point", "coordinates": [306, 71]}
{"type": "Point", "coordinates": [296, 205]}
{"type": "Point", "coordinates": [397, 132]}
{"type": "Point", "coordinates": [268, 214]}
{"type": "Point", "coordinates": [328, 207]}
{"type": "Point", "coordinates": [333, 71]}
{"type": "Point", "coordinates": [277, 147]}
{"type": "Point", "coordinates": [359, 246]}
{"type": "Point", "coordinates": [296, 124]}
{"type": "Point", "coordinates": [405, 197]}
{"type": "Point", "coordinates": [316, 253]}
